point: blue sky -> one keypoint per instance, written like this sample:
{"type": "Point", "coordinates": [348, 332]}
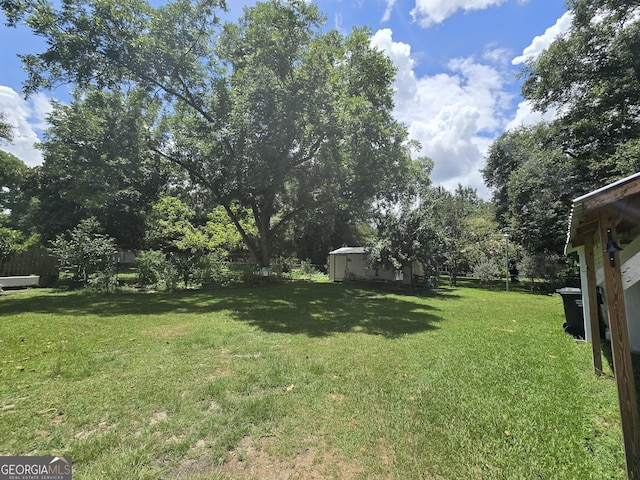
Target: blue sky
{"type": "Point", "coordinates": [456, 88]}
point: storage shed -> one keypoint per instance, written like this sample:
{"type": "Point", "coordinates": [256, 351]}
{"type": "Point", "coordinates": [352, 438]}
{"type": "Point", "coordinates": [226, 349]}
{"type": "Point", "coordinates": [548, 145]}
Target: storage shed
{"type": "Point", "coordinates": [351, 263]}
{"type": "Point", "coordinates": [605, 232]}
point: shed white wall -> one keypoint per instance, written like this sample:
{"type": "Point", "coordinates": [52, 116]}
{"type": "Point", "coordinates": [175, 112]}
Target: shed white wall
{"type": "Point", "coordinates": [585, 294]}
{"type": "Point", "coordinates": [354, 265]}
{"type": "Point", "coordinates": [630, 259]}
{"type": "Point", "coordinates": [357, 266]}
{"type": "Point", "coordinates": [630, 269]}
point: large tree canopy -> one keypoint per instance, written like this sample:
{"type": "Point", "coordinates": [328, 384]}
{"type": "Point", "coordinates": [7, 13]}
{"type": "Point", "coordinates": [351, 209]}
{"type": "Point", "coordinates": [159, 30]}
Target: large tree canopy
{"type": "Point", "coordinates": [97, 164]}
{"type": "Point", "coordinates": [269, 114]}
{"type": "Point", "coordinates": [533, 182]}
{"type": "Point", "coordinates": [591, 77]}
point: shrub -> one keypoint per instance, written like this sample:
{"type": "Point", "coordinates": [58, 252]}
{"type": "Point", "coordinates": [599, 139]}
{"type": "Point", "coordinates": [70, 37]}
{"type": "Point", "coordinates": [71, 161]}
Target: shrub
{"type": "Point", "coordinates": [84, 251]}
{"type": "Point", "coordinates": [486, 270]}
{"type": "Point", "coordinates": [246, 273]}
{"type": "Point", "coordinates": [151, 266]}
{"type": "Point", "coordinates": [553, 270]}
{"type": "Point", "coordinates": [104, 281]}
{"type": "Point", "coordinates": [281, 267]}
{"type": "Point", "coordinates": [156, 271]}
{"type": "Point", "coordinates": [306, 268]}
{"type": "Point", "coordinates": [170, 278]}
{"type": "Point", "coordinates": [211, 271]}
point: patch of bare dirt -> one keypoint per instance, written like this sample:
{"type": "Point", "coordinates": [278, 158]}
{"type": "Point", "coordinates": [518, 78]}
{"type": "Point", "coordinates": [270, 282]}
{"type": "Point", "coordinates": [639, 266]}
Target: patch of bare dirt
{"type": "Point", "coordinates": [158, 417]}
{"type": "Point", "coordinates": [102, 428]}
{"type": "Point", "coordinates": [252, 460]}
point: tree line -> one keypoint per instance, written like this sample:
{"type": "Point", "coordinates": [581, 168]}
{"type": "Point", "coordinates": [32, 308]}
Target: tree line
{"type": "Point", "coordinates": [589, 78]}
{"type": "Point", "coordinates": [271, 137]}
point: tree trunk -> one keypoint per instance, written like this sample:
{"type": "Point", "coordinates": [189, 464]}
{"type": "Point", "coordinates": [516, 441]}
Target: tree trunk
{"type": "Point", "coordinates": [263, 221]}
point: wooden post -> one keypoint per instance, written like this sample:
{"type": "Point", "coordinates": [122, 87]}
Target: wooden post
{"type": "Point", "coordinates": [592, 293]}
{"type": "Point", "coordinates": [621, 348]}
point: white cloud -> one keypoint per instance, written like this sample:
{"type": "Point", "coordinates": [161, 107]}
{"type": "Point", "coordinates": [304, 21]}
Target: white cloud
{"type": "Point", "coordinates": [541, 42]}
{"type": "Point", "coordinates": [28, 118]}
{"type": "Point", "coordinates": [454, 115]}
{"type": "Point", "coordinates": [338, 22]}
{"type": "Point", "coordinates": [430, 12]}
{"type": "Point", "coordinates": [497, 55]}
{"type": "Point", "coordinates": [526, 116]}
{"type": "Point", "coordinates": [387, 12]}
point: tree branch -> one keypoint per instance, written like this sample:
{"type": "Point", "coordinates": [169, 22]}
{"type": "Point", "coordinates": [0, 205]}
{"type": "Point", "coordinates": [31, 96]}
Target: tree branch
{"type": "Point", "coordinates": [301, 159]}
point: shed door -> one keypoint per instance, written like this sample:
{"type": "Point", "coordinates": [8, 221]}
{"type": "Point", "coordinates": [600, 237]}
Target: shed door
{"type": "Point", "coordinates": [339, 265]}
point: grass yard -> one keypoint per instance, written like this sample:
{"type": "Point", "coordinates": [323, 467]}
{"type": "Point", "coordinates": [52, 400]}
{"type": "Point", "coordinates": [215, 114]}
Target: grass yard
{"type": "Point", "coordinates": [304, 381]}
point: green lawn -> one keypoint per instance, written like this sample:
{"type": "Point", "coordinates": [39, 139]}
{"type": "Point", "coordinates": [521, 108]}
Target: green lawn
{"type": "Point", "coordinates": [304, 380]}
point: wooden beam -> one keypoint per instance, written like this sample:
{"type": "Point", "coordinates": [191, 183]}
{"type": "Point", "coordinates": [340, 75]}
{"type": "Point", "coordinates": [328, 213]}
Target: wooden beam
{"type": "Point", "coordinates": [594, 308]}
{"type": "Point", "coordinates": [621, 348]}
{"type": "Point", "coordinates": [587, 228]}
{"type": "Point", "coordinates": [606, 198]}
{"type": "Point", "coordinates": [584, 232]}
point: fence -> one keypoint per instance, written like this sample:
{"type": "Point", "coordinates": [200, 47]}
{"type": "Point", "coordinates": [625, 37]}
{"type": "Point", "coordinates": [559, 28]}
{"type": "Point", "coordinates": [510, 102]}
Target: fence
{"type": "Point", "coordinates": [34, 261]}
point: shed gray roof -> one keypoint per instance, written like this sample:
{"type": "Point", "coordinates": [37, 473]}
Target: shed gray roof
{"type": "Point", "coordinates": [592, 201]}
{"type": "Point", "coordinates": [349, 250]}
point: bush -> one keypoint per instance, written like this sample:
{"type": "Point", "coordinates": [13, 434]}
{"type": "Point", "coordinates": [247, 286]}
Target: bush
{"type": "Point", "coordinates": [158, 272]}
{"type": "Point", "coordinates": [211, 270]}
{"type": "Point", "coordinates": [552, 270]}
{"type": "Point", "coordinates": [486, 270]}
{"type": "Point", "coordinates": [170, 278]}
{"type": "Point", "coordinates": [9, 240]}
{"type": "Point", "coordinates": [84, 251]}
{"type": "Point", "coordinates": [306, 268]}
{"type": "Point", "coordinates": [151, 266]}
{"type": "Point", "coordinates": [104, 281]}
{"type": "Point", "coordinates": [282, 267]}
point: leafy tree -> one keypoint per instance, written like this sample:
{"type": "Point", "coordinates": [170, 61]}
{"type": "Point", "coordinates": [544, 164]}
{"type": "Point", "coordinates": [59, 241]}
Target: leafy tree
{"type": "Point", "coordinates": [84, 250]}
{"type": "Point", "coordinates": [14, 241]}
{"type": "Point", "coordinates": [17, 200]}
{"type": "Point", "coordinates": [404, 238]}
{"type": "Point", "coordinates": [170, 230]}
{"type": "Point", "coordinates": [406, 232]}
{"type": "Point", "coordinates": [546, 267]}
{"type": "Point", "coordinates": [540, 195]}
{"type": "Point", "coordinates": [268, 114]}
{"type": "Point", "coordinates": [483, 238]}
{"type": "Point", "coordinates": [6, 129]}
{"type": "Point", "coordinates": [534, 182]}
{"type": "Point", "coordinates": [506, 153]}
{"type": "Point", "coordinates": [12, 174]}
{"type": "Point", "coordinates": [590, 77]}
{"type": "Point", "coordinates": [486, 270]}
{"type": "Point", "coordinates": [451, 215]}
{"type": "Point", "coordinates": [317, 232]}
{"type": "Point", "coordinates": [97, 163]}
{"type": "Point", "coordinates": [223, 238]}
{"type": "Point", "coordinates": [10, 241]}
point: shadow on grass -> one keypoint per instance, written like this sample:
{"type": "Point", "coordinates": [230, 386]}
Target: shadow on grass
{"type": "Point", "coordinates": [296, 308]}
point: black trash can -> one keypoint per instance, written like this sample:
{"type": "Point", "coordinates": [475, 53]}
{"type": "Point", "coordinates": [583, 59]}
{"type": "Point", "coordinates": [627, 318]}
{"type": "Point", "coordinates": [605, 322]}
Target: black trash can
{"type": "Point", "coordinates": [572, 299]}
